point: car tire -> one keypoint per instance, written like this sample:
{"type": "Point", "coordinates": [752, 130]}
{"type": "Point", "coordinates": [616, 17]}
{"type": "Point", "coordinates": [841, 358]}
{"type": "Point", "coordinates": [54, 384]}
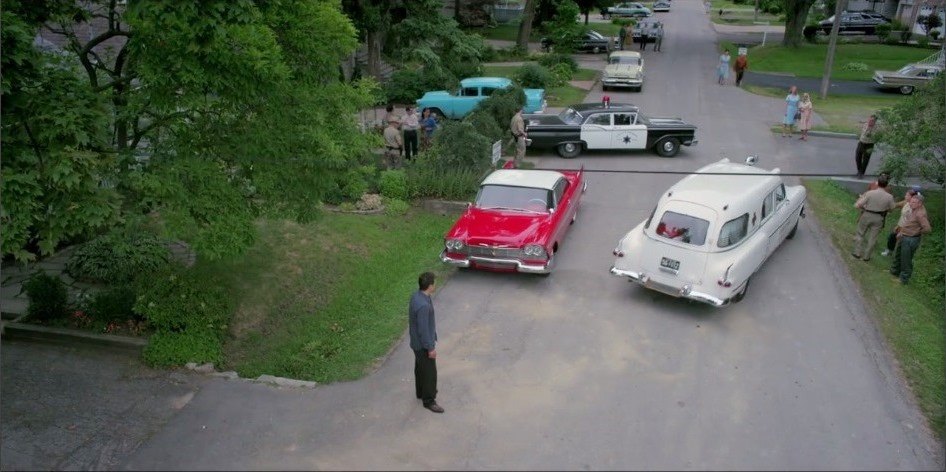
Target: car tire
{"type": "Point", "coordinates": [667, 147]}
{"type": "Point", "coordinates": [604, 88]}
{"type": "Point", "coordinates": [439, 113]}
{"type": "Point", "coordinates": [569, 150]}
{"type": "Point", "coordinates": [906, 89]}
{"type": "Point", "coordinates": [741, 295]}
{"type": "Point", "coordinates": [596, 49]}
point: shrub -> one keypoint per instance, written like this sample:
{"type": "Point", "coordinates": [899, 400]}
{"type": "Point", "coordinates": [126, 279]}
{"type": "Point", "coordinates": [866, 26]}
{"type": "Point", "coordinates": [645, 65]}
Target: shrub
{"type": "Point", "coordinates": [855, 67]}
{"type": "Point", "coordinates": [352, 185]}
{"type": "Point", "coordinates": [905, 36]}
{"type": "Point", "coordinates": [189, 313]}
{"type": "Point", "coordinates": [551, 60]}
{"type": "Point", "coordinates": [561, 74]}
{"type": "Point", "coordinates": [118, 257]}
{"type": "Point", "coordinates": [48, 297]}
{"type": "Point", "coordinates": [177, 301]}
{"type": "Point", "coordinates": [484, 124]}
{"type": "Point", "coordinates": [407, 85]}
{"type": "Point", "coordinates": [623, 21]}
{"type": "Point", "coordinates": [395, 206]}
{"type": "Point", "coordinates": [934, 35]}
{"type": "Point", "coordinates": [883, 31]}
{"type": "Point", "coordinates": [810, 32]}
{"type": "Point", "coordinates": [394, 184]}
{"type": "Point", "coordinates": [113, 304]}
{"type": "Point", "coordinates": [891, 40]}
{"type": "Point", "coordinates": [458, 146]}
{"type": "Point", "coordinates": [426, 182]}
{"type": "Point", "coordinates": [502, 104]}
{"type": "Point", "coordinates": [167, 348]}
{"type": "Point", "coordinates": [923, 41]}
{"type": "Point", "coordinates": [533, 76]}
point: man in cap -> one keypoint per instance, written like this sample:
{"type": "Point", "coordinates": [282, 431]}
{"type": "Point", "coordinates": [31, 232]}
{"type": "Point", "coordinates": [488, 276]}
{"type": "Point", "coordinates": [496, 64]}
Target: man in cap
{"type": "Point", "coordinates": [517, 127]}
{"type": "Point", "coordinates": [865, 145]}
{"type": "Point", "coordinates": [917, 223]}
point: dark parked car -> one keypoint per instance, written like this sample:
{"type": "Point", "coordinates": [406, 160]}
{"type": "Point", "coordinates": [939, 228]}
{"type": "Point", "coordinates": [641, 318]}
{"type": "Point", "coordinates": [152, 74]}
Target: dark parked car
{"type": "Point", "coordinates": [854, 23]}
{"type": "Point", "coordinates": [591, 41]}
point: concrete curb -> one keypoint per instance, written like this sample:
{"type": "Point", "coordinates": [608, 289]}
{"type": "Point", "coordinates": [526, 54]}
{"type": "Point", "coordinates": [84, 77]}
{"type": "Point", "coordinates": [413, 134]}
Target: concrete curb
{"type": "Point", "coordinates": [26, 331]}
{"type": "Point", "coordinates": [208, 369]}
{"type": "Point", "coordinates": [832, 134]}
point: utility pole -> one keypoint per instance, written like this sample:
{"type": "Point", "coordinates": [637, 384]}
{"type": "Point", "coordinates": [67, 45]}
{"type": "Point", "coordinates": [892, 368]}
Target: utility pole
{"type": "Point", "coordinates": [755, 15]}
{"type": "Point", "coordinates": [832, 44]}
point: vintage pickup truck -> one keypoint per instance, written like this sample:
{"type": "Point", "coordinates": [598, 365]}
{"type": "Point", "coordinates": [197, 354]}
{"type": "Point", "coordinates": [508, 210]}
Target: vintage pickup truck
{"type": "Point", "coordinates": [472, 91]}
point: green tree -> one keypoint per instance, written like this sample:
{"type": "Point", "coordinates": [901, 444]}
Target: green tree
{"type": "Point", "coordinates": [196, 117]}
{"type": "Point", "coordinates": [912, 136]}
{"type": "Point", "coordinates": [563, 29]}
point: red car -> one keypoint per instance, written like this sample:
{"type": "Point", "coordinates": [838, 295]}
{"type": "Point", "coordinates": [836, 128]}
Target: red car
{"type": "Point", "coordinates": [518, 221]}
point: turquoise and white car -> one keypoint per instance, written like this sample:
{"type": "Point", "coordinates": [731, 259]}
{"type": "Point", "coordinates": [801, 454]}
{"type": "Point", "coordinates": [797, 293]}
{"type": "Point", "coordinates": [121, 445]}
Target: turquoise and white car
{"type": "Point", "coordinates": [472, 91]}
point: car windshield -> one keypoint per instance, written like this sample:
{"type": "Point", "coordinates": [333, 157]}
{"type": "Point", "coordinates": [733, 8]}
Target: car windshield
{"type": "Point", "coordinates": [905, 70]}
{"type": "Point", "coordinates": [634, 61]}
{"type": "Point", "coordinates": [570, 117]}
{"type": "Point", "coordinates": [505, 197]}
{"type": "Point", "coordinates": [684, 228]}
{"type": "Point", "coordinates": [594, 35]}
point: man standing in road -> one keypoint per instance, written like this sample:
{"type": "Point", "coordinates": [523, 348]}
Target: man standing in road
{"type": "Point", "coordinates": [865, 145]}
{"type": "Point", "coordinates": [645, 35]}
{"type": "Point", "coordinates": [622, 33]}
{"type": "Point", "coordinates": [874, 205]}
{"type": "Point", "coordinates": [422, 327]}
{"type": "Point", "coordinates": [914, 225]}
{"type": "Point", "coordinates": [517, 127]}
{"type": "Point", "coordinates": [658, 35]}
{"type": "Point", "coordinates": [740, 66]}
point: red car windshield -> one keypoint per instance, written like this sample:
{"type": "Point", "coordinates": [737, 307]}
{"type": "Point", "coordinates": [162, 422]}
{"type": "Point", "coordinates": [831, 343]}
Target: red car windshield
{"type": "Point", "coordinates": [504, 197]}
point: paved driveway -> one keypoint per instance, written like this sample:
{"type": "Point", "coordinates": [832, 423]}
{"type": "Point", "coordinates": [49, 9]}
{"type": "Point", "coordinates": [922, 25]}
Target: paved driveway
{"type": "Point", "coordinates": [580, 370]}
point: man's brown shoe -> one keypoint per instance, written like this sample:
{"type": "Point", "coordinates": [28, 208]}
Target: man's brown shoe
{"type": "Point", "coordinates": [434, 408]}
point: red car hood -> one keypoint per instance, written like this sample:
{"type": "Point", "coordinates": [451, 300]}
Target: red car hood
{"type": "Point", "coordinates": [501, 228]}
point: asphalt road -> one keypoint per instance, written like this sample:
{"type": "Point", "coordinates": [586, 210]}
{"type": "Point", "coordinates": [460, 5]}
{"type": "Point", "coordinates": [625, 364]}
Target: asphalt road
{"type": "Point", "coordinates": [581, 370]}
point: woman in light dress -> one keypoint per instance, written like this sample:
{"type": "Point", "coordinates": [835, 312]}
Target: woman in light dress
{"type": "Point", "coordinates": [722, 70]}
{"type": "Point", "coordinates": [791, 108]}
{"type": "Point", "coordinates": [804, 122]}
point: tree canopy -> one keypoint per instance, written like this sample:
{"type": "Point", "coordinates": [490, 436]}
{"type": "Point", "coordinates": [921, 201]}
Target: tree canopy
{"type": "Point", "coordinates": [913, 134]}
{"type": "Point", "coordinates": [191, 118]}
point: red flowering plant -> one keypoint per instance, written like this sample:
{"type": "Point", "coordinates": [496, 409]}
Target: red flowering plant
{"type": "Point", "coordinates": [80, 319]}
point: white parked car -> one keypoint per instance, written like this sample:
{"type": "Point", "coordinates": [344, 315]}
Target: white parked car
{"type": "Point", "coordinates": [711, 232]}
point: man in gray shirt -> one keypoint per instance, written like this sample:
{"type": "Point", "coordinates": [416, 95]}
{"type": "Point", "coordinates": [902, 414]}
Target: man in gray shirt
{"type": "Point", "coordinates": [422, 326]}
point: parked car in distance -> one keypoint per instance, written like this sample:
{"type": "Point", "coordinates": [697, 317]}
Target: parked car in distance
{"type": "Point", "coordinates": [853, 23]}
{"type": "Point", "coordinates": [471, 92]}
{"type": "Point", "coordinates": [518, 221]}
{"type": "Point", "coordinates": [624, 69]}
{"type": "Point", "coordinates": [616, 126]}
{"type": "Point", "coordinates": [629, 9]}
{"type": "Point", "coordinates": [591, 41]}
{"type": "Point", "coordinates": [908, 77]}
{"type": "Point", "coordinates": [710, 232]}
{"type": "Point", "coordinates": [660, 5]}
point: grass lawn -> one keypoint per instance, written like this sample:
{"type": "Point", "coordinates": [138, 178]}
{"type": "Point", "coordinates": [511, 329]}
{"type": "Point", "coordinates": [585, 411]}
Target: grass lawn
{"type": "Point", "coordinates": [843, 113]}
{"type": "Point", "coordinates": [742, 17]}
{"type": "Point", "coordinates": [325, 300]}
{"type": "Point", "coordinates": [808, 61]}
{"type": "Point", "coordinates": [556, 96]}
{"type": "Point", "coordinates": [910, 316]}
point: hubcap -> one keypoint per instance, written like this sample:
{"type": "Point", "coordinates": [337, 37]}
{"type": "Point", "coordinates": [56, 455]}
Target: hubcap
{"type": "Point", "coordinates": [569, 147]}
{"type": "Point", "coordinates": [668, 146]}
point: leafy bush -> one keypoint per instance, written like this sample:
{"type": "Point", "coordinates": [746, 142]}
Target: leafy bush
{"type": "Point", "coordinates": [484, 124]}
{"type": "Point", "coordinates": [167, 348]}
{"type": "Point", "coordinates": [923, 41]}
{"type": "Point", "coordinates": [623, 21]}
{"type": "Point", "coordinates": [353, 185]}
{"type": "Point", "coordinates": [502, 104]}
{"type": "Point", "coordinates": [905, 36]}
{"type": "Point", "coordinates": [810, 32]}
{"type": "Point", "coordinates": [113, 304]}
{"type": "Point", "coordinates": [891, 41]}
{"type": "Point", "coordinates": [929, 23]}
{"type": "Point", "coordinates": [934, 35]}
{"type": "Point", "coordinates": [395, 206]}
{"type": "Point", "coordinates": [408, 85]}
{"type": "Point", "coordinates": [459, 185]}
{"type": "Point", "coordinates": [189, 314]}
{"type": "Point", "coordinates": [457, 146]}
{"type": "Point", "coordinates": [531, 75]}
{"type": "Point", "coordinates": [394, 184]}
{"type": "Point", "coordinates": [118, 257]}
{"type": "Point", "coordinates": [551, 60]}
{"type": "Point", "coordinates": [855, 67]}
{"type": "Point", "coordinates": [509, 54]}
{"type": "Point", "coordinates": [883, 31]}
{"type": "Point", "coordinates": [561, 74]}
{"type": "Point", "coordinates": [48, 297]}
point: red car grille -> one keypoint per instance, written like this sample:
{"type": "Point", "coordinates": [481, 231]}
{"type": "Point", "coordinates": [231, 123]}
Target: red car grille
{"type": "Point", "coordinates": [488, 251]}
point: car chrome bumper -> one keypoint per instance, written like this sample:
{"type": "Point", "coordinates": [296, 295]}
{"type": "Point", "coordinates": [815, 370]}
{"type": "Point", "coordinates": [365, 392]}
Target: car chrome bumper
{"type": "Point", "coordinates": [619, 82]}
{"type": "Point", "coordinates": [672, 291]}
{"type": "Point", "coordinates": [691, 142]}
{"type": "Point", "coordinates": [519, 265]}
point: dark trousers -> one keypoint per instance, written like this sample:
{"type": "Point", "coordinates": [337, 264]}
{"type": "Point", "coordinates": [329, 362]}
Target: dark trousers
{"type": "Point", "coordinates": [892, 241]}
{"type": "Point", "coordinates": [862, 157]}
{"type": "Point", "coordinates": [425, 377]}
{"type": "Point", "coordinates": [410, 143]}
{"type": "Point", "coordinates": [739, 74]}
{"type": "Point", "coordinates": [644, 38]}
{"type": "Point", "coordinates": [902, 264]}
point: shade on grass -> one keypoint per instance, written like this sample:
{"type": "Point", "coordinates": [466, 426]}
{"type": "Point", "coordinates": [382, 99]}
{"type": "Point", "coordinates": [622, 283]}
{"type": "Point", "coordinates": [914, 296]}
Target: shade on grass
{"type": "Point", "coordinates": [809, 59]}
